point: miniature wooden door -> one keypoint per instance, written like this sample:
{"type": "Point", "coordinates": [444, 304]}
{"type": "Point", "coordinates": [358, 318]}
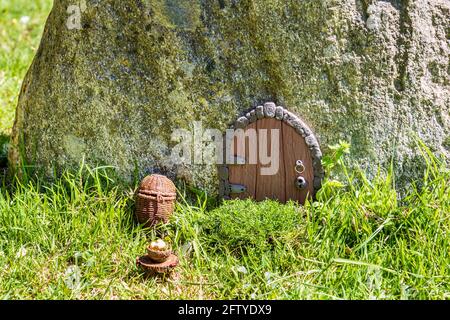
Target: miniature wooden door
{"type": "Point", "coordinates": [279, 160]}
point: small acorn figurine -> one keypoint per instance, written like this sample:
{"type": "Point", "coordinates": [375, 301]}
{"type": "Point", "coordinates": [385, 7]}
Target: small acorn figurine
{"type": "Point", "coordinates": [159, 259]}
{"type": "Point", "coordinates": [155, 200]}
{"type": "Point", "coordinates": [158, 251]}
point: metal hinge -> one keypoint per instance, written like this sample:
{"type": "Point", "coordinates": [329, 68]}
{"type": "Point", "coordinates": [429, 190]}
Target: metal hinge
{"type": "Point", "coordinates": [237, 188]}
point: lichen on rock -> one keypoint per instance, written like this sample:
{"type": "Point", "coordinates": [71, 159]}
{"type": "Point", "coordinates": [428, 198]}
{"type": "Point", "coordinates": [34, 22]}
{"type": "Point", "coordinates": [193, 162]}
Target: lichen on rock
{"type": "Point", "coordinates": [370, 72]}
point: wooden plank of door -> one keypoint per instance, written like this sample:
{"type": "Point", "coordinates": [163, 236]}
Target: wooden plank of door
{"type": "Point", "coordinates": [295, 148]}
{"type": "Point", "coordinates": [270, 186]}
{"type": "Point", "coordinates": [244, 174]}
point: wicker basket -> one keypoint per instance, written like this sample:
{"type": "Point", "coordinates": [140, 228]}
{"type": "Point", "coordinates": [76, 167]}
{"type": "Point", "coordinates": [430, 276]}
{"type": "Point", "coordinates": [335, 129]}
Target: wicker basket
{"type": "Point", "coordinates": [155, 200]}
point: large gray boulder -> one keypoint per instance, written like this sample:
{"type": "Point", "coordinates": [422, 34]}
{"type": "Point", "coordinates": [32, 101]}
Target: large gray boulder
{"type": "Point", "coordinates": [112, 79]}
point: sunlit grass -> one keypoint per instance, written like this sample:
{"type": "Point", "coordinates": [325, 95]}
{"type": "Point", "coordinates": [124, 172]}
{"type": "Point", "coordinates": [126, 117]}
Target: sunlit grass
{"type": "Point", "coordinates": [77, 238]}
{"type": "Point", "coordinates": [19, 40]}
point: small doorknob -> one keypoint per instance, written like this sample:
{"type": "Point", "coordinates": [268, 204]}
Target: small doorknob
{"type": "Point", "coordinates": [301, 183]}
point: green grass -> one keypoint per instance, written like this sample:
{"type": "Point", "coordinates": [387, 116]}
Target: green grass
{"type": "Point", "coordinates": [18, 44]}
{"type": "Point", "coordinates": [77, 239]}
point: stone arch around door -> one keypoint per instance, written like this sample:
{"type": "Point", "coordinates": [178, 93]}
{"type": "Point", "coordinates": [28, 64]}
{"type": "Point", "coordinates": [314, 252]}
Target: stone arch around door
{"type": "Point", "coordinates": [297, 141]}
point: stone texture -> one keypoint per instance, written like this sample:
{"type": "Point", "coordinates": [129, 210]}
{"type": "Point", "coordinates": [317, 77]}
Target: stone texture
{"type": "Point", "coordinates": [318, 169]}
{"type": "Point", "coordinates": [369, 72]}
{"type": "Point", "coordinates": [259, 112]}
{"type": "Point", "coordinates": [223, 172]}
{"type": "Point", "coordinates": [290, 118]}
{"type": "Point", "coordinates": [269, 110]}
{"type": "Point", "coordinates": [279, 113]}
{"type": "Point", "coordinates": [311, 141]}
{"type": "Point", "coordinates": [226, 188]}
{"type": "Point", "coordinates": [222, 189]}
{"type": "Point", "coordinates": [317, 183]}
{"type": "Point", "coordinates": [298, 126]}
{"type": "Point", "coordinates": [252, 116]}
{"type": "Point", "coordinates": [316, 153]}
{"type": "Point", "coordinates": [241, 123]}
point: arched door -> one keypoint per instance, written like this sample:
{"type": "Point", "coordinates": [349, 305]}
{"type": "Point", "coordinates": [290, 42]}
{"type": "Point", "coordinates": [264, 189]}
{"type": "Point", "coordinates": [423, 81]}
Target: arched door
{"type": "Point", "coordinates": [274, 156]}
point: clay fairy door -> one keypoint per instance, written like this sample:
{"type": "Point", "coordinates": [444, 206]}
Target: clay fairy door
{"type": "Point", "coordinates": [272, 154]}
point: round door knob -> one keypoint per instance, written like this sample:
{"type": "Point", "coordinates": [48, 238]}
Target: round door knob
{"type": "Point", "coordinates": [301, 183]}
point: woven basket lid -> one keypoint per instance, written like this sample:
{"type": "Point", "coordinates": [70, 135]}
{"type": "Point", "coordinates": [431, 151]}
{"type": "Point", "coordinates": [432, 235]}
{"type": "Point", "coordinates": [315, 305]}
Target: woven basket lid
{"type": "Point", "coordinates": [157, 183]}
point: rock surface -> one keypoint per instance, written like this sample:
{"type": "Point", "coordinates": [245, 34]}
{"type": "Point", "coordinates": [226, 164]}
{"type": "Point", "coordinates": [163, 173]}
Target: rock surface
{"type": "Point", "coordinates": [114, 88]}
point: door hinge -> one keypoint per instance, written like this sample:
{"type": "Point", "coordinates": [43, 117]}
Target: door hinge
{"type": "Point", "coordinates": [237, 188]}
